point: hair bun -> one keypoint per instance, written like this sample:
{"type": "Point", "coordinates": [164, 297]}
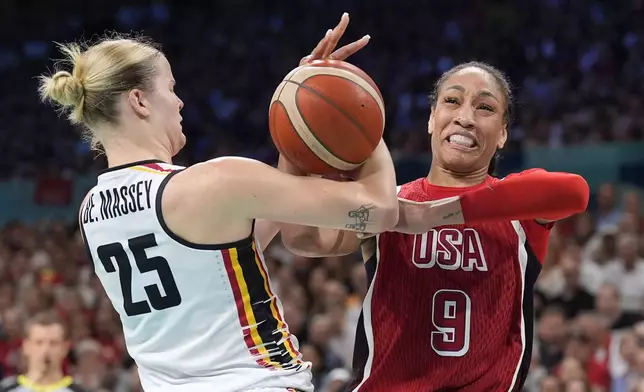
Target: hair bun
{"type": "Point", "coordinates": [65, 89]}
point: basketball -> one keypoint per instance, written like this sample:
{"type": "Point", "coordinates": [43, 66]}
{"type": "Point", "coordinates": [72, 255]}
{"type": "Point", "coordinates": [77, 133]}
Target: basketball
{"type": "Point", "coordinates": [327, 117]}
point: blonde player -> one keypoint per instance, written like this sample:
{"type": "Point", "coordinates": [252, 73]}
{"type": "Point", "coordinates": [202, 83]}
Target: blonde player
{"type": "Point", "coordinates": [174, 247]}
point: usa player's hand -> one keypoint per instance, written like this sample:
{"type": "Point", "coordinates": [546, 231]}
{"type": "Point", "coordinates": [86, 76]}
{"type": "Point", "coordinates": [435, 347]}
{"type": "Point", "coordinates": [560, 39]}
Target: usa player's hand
{"type": "Point", "coordinates": [284, 165]}
{"type": "Point", "coordinates": [325, 48]}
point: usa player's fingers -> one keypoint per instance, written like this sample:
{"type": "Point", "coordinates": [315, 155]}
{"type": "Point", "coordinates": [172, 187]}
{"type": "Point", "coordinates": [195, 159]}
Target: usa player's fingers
{"type": "Point", "coordinates": [336, 34]}
{"type": "Point", "coordinates": [305, 60]}
{"type": "Point", "coordinates": [320, 49]}
{"type": "Point", "coordinates": [348, 50]}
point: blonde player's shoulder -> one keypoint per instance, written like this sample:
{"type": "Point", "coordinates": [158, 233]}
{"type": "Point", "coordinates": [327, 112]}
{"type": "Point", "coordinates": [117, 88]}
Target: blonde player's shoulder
{"type": "Point", "coordinates": [83, 205]}
{"type": "Point", "coordinates": [215, 179]}
{"type": "Point", "coordinates": [223, 163]}
{"type": "Point", "coordinates": [224, 169]}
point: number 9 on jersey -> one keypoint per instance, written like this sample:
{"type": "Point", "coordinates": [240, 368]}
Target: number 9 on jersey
{"type": "Point", "coordinates": [451, 311]}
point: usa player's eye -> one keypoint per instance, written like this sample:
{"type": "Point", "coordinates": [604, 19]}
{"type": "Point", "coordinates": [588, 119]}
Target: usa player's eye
{"type": "Point", "coordinates": [450, 100]}
{"type": "Point", "coordinates": [486, 107]}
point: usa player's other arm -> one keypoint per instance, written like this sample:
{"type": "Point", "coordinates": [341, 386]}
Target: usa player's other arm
{"type": "Point", "coordinates": [531, 195]}
{"type": "Point", "coordinates": [252, 190]}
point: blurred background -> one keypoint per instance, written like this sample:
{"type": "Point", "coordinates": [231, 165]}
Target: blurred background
{"type": "Point", "coordinates": [578, 71]}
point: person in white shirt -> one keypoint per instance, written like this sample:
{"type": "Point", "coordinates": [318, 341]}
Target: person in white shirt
{"type": "Point", "coordinates": [627, 272]}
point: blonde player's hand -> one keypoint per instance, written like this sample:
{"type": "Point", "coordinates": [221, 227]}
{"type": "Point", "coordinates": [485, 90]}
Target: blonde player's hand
{"type": "Point", "coordinates": [325, 48]}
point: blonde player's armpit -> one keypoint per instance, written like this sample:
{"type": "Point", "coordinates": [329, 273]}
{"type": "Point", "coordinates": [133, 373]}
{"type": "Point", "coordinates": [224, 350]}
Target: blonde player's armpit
{"type": "Point", "coordinates": [265, 231]}
{"type": "Point", "coordinates": [249, 189]}
{"type": "Point", "coordinates": [315, 242]}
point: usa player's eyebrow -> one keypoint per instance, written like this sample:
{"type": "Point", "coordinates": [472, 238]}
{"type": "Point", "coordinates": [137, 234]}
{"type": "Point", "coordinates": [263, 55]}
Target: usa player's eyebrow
{"type": "Point", "coordinates": [482, 93]}
{"type": "Point", "coordinates": [456, 87]}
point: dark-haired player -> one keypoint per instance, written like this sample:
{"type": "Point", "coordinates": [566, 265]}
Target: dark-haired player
{"type": "Point", "coordinates": [449, 306]}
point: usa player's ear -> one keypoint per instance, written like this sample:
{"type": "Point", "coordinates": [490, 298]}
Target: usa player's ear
{"type": "Point", "coordinates": [503, 138]}
{"type": "Point", "coordinates": [138, 103]}
{"type": "Point", "coordinates": [430, 123]}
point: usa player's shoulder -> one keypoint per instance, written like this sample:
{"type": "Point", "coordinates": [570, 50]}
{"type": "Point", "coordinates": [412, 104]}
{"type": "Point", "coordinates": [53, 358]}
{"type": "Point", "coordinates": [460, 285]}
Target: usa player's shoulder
{"type": "Point", "coordinates": [410, 190]}
{"type": "Point", "coordinates": [521, 173]}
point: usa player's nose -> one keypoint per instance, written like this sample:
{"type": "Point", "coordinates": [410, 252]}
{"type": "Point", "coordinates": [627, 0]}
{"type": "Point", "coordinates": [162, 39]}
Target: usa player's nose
{"type": "Point", "coordinates": [466, 122]}
{"type": "Point", "coordinates": [464, 116]}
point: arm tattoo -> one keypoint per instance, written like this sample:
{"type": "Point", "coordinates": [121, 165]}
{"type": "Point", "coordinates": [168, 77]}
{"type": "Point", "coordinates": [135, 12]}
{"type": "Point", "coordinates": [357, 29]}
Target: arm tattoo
{"type": "Point", "coordinates": [360, 218]}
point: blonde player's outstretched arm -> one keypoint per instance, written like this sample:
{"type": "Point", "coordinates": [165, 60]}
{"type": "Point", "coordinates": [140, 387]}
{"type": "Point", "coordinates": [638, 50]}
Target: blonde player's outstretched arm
{"type": "Point", "coordinates": [249, 189]}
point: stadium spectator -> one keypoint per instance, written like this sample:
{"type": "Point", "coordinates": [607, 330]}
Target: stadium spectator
{"type": "Point", "coordinates": [45, 348]}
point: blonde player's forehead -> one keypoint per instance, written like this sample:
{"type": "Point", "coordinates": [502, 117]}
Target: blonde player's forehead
{"type": "Point", "coordinates": [164, 68]}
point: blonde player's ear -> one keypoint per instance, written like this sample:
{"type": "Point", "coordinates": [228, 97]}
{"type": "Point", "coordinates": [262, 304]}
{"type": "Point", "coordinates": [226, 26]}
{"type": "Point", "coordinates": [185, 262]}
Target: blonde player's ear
{"type": "Point", "coordinates": [139, 104]}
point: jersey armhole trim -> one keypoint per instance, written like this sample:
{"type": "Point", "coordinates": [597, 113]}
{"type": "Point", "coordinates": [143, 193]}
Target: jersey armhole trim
{"type": "Point", "coordinates": [81, 227]}
{"type": "Point", "coordinates": [246, 242]}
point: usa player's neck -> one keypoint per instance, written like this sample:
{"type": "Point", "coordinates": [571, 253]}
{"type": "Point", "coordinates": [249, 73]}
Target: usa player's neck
{"type": "Point", "coordinates": [441, 176]}
{"type": "Point", "coordinates": [121, 151]}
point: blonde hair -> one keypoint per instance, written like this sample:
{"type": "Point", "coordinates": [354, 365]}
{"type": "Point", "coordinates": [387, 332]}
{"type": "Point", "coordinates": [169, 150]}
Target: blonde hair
{"type": "Point", "coordinates": [100, 73]}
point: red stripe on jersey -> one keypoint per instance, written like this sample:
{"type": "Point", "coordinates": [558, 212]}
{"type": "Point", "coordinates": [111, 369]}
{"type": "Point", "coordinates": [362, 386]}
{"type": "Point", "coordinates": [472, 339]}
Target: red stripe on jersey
{"type": "Point", "coordinates": [156, 166]}
{"type": "Point", "coordinates": [241, 311]}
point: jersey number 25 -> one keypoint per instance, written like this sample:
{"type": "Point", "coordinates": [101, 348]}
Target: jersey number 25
{"type": "Point", "coordinates": [138, 246]}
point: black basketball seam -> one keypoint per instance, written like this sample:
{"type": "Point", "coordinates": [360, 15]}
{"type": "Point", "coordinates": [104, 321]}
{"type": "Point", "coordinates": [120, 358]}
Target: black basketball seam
{"type": "Point", "coordinates": [281, 90]}
{"type": "Point", "coordinates": [360, 130]}
{"type": "Point", "coordinates": [288, 156]}
{"type": "Point", "coordinates": [313, 133]}
{"type": "Point", "coordinates": [345, 114]}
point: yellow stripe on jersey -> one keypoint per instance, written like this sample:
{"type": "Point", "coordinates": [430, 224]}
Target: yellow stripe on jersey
{"type": "Point", "coordinates": [281, 325]}
{"type": "Point", "coordinates": [248, 309]}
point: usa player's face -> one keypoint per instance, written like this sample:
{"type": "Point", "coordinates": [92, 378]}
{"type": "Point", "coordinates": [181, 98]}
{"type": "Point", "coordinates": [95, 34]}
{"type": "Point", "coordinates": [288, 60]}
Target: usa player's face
{"type": "Point", "coordinates": [467, 124]}
{"type": "Point", "coordinates": [167, 106]}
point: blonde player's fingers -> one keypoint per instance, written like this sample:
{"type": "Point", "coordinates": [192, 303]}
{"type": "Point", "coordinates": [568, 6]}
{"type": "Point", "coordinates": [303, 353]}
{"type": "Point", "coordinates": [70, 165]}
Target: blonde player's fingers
{"type": "Point", "coordinates": [336, 34]}
{"type": "Point", "coordinates": [348, 50]}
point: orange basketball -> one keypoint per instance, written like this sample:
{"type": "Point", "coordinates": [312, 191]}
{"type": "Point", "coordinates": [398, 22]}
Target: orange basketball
{"type": "Point", "coordinates": [327, 117]}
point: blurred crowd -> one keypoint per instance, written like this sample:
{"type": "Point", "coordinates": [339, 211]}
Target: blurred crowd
{"type": "Point", "coordinates": [578, 69]}
{"type": "Point", "coordinates": [576, 65]}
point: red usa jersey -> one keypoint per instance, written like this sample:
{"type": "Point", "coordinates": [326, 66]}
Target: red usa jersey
{"type": "Point", "coordinates": [451, 309]}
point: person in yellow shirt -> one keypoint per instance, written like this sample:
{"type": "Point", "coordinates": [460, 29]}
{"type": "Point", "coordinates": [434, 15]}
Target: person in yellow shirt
{"type": "Point", "coordinates": [45, 347]}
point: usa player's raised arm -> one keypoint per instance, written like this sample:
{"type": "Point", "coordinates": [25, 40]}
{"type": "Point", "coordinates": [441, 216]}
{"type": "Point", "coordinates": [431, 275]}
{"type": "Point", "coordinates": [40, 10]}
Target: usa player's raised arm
{"type": "Point", "coordinates": [265, 231]}
{"type": "Point", "coordinates": [531, 195]}
{"type": "Point", "coordinates": [317, 242]}
{"type": "Point", "coordinates": [252, 190]}
{"type": "Point", "coordinates": [311, 241]}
